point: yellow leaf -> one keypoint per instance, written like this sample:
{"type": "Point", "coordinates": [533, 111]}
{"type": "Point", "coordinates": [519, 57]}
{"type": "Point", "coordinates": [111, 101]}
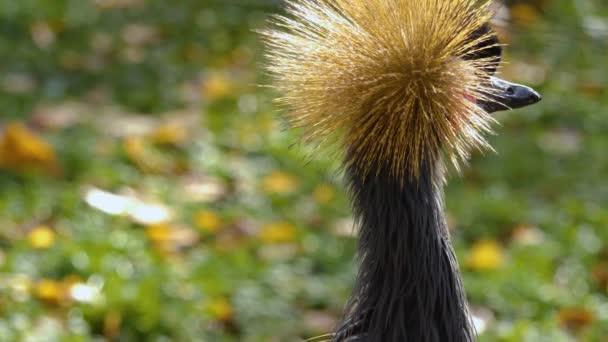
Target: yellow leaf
{"type": "Point", "coordinates": [141, 153]}
{"type": "Point", "coordinates": [41, 237]}
{"type": "Point", "coordinates": [485, 255]}
{"type": "Point", "coordinates": [217, 86]}
{"type": "Point", "coordinates": [138, 153]}
{"type": "Point", "coordinates": [170, 134]}
{"type": "Point", "coordinates": [134, 147]}
{"type": "Point", "coordinates": [167, 239]}
{"type": "Point", "coordinates": [21, 149]}
{"type": "Point", "coordinates": [220, 309]}
{"type": "Point", "coordinates": [159, 233]}
{"type": "Point", "coordinates": [49, 290]}
{"type": "Point", "coordinates": [324, 194]}
{"type": "Point", "coordinates": [278, 232]}
{"type": "Point", "coordinates": [279, 183]}
{"type": "Point", "coordinates": [207, 221]}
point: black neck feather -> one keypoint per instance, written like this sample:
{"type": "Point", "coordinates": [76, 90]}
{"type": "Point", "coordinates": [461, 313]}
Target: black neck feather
{"type": "Point", "coordinates": [408, 287]}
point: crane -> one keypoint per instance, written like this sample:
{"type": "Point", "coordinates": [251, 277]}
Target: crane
{"type": "Point", "coordinates": [403, 89]}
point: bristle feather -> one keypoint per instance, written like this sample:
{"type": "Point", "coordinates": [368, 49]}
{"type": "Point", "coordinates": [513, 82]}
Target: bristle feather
{"type": "Point", "coordinates": [389, 75]}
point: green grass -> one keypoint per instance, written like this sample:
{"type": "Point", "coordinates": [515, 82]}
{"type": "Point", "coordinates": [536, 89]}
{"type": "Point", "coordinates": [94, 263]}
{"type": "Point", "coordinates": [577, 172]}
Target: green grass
{"type": "Point", "coordinates": [257, 246]}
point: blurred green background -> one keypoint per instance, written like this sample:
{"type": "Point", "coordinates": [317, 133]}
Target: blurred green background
{"type": "Point", "coordinates": [149, 190]}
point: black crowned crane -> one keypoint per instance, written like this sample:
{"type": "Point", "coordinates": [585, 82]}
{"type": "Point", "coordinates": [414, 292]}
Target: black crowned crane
{"type": "Point", "coordinates": [401, 87]}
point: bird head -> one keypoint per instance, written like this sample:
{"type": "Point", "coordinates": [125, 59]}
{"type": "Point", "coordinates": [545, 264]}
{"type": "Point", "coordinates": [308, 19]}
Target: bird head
{"type": "Point", "coordinates": [505, 95]}
{"type": "Point", "coordinates": [397, 84]}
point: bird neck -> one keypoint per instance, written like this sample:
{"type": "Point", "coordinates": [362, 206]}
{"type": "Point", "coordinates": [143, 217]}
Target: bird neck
{"type": "Point", "coordinates": [408, 287]}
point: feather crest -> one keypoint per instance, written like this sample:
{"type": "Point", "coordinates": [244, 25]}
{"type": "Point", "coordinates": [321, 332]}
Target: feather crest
{"type": "Point", "coordinates": [385, 79]}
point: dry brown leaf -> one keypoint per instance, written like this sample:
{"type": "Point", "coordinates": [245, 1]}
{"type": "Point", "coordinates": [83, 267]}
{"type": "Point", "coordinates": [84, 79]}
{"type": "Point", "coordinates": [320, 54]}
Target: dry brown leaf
{"type": "Point", "coordinates": [599, 273]}
{"type": "Point", "coordinates": [524, 14]}
{"type": "Point", "coordinates": [22, 150]}
{"type": "Point", "coordinates": [575, 318]}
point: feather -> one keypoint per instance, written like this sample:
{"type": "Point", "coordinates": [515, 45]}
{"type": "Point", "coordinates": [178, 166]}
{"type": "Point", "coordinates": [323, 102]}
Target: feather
{"type": "Point", "coordinates": [385, 79]}
{"type": "Point", "coordinates": [390, 83]}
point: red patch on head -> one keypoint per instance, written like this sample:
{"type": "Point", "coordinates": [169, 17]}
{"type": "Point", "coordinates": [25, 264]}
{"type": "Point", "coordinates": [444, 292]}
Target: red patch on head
{"type": "Point", "coordinates": [470, 97]}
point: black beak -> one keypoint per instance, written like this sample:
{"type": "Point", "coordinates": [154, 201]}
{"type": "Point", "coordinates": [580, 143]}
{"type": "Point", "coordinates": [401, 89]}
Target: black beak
{"type": "Point", "coordinates": [509, 95]}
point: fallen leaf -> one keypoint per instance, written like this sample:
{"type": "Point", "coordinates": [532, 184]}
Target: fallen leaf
{"type": "Point", "coordinates": [279, 183]}
{"type": "Point", "coordinates": [278, 232]}
{"type": "Point", "coordinates": [170, 237]}
{"type": "Point", "coordinates": [159, 233]}
{"type": "Point", "coordinates": [170, 133]}
{"type": "Point", "coordinates": [599, 274]}
{"type": "Point", "coordinates": [485, 255]}
{"type": "Point", "coordinates": [575, 318]}
{"type": "Point", "coordinates": [134, 148]}
{"type": "Point", "coordinates": [150, 159]}
{"type": "Point", "coordinates": [111, 325]}
{"type": "Point", "coordinates": [524, 14]}
{"type": "Point", "coordinates": [207, 221]}
{"type": "Point", "coordinates": [22, 150]}
{"type": "Point", "coordinates": [50, 291]}
{"type": "Point", "coordinates": [220, 309]}
{"type": "Point", "coordinates": [324, 194]}
{"type": "Point", "coordinates": [41, 237]}
{"type": "Point", "coordinates": [217, 86]}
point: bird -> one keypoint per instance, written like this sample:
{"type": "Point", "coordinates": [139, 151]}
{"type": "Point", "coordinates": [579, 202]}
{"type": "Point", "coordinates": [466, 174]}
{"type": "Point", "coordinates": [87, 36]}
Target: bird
{"type": "Point", "coordinates": [401, 91]}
